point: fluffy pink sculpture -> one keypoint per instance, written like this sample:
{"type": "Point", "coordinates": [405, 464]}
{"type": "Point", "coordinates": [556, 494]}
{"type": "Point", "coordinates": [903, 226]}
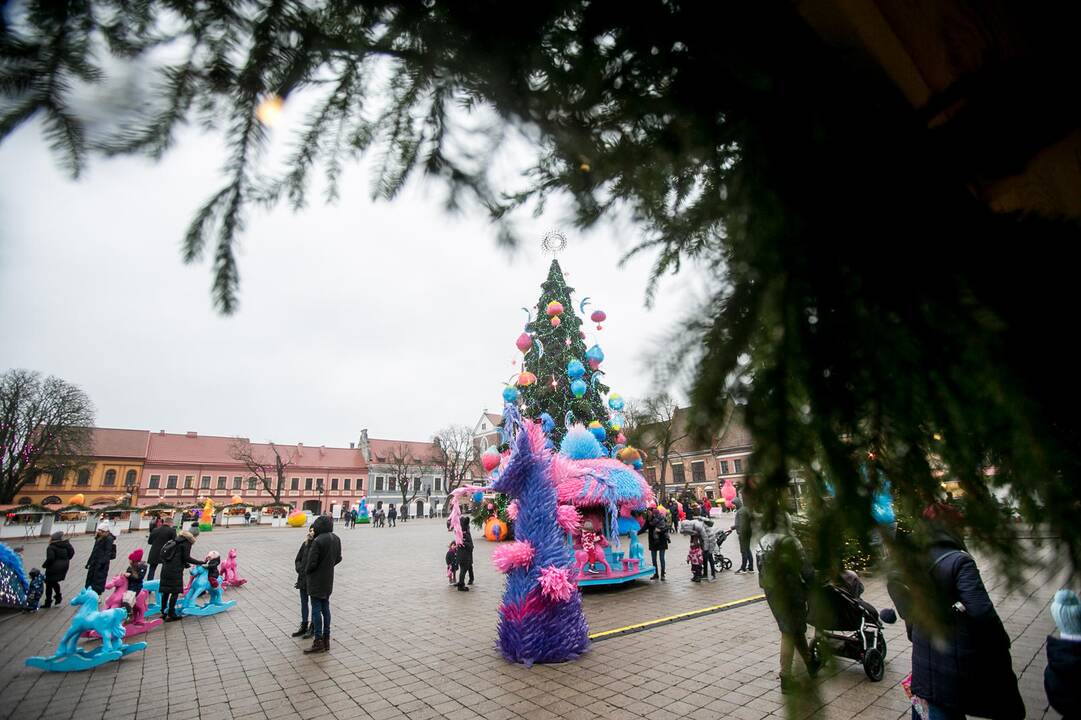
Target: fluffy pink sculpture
{"type": "Point", "coordinates": [568, 518]}
{"type": "Point", "coordinates": [229, 574]}
{"type": "Point", "coordinates": [728, 492]}
{"type": "Point", "coordinates": [555, 583]}
{"type": "Point", "coordinates": [508, 556]}
{"type": "Point", "coordinates": [512, 510]}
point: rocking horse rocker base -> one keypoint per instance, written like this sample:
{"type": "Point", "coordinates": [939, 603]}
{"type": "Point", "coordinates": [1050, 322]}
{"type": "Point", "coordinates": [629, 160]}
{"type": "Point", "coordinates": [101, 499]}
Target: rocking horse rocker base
{"type": "Point", "coordinates": [199, 585]}
{"type": "Point", "coordinates": [138, 623]}
{"type": "Point", "coordinates": [69, 657]}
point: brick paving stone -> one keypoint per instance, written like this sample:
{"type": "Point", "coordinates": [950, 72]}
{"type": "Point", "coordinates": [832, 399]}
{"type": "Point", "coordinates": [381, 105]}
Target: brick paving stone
{"type": "Point", "coordinates": [406, 645]}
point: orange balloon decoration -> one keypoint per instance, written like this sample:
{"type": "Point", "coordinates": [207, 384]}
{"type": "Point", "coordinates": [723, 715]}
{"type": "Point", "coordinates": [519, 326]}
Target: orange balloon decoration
{"type": "Point", "coordinates": [78, 499]}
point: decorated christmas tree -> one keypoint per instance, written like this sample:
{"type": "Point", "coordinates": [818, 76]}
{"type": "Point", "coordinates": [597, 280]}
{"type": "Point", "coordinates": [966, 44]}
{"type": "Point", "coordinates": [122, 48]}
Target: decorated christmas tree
{"type": "Point", "coordinates": [560, 377]}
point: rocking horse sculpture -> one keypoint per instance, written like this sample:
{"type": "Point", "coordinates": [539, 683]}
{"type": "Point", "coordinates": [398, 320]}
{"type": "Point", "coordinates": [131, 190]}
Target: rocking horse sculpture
{"type": "Point", "coordinates": [138, 623]}
{"type": "Point", "coordinates": [69, 657]}
{"type": "Point", "coordinates": [152, 608]}
{"type": "Point", "coordinates": [201, 584]}
{"type": "Point", "coordinates": [229, 575]}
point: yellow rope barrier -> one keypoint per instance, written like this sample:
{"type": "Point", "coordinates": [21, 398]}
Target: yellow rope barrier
{"type": "Point", "coordinates": [690, 615]}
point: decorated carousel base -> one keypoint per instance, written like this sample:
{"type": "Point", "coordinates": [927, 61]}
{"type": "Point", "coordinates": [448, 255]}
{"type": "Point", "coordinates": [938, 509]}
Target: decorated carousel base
{"type": "Point", "coordinates": [617, 576]}
{"type": "Point", "coordinates": [83, 659]}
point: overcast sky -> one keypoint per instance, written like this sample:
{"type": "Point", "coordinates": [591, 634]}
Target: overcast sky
{"type": "Point", "coordinates": [389, 316]}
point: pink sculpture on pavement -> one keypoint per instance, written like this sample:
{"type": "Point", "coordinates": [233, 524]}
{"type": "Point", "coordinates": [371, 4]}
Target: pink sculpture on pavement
{"type": "Point", "coordinates": [138, 624]}
{"type": "Point", "coordinates": [229, 574]}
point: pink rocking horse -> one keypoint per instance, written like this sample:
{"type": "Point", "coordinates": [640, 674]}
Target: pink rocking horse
{"type": "Point", "coordinates": [229, 575]}
{"type": "Point", "coordinates": [138, 623]}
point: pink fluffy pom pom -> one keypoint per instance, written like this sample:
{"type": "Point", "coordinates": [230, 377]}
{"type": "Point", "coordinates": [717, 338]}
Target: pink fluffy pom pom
{"type": "Point", "coordinates": [508, 556]}
{"type": "Point", "coordinates": [512, 510]}
{"type": "Point", "coordinates": [568, 518]}
{"type": "Point", "coordinates": [555, 583]}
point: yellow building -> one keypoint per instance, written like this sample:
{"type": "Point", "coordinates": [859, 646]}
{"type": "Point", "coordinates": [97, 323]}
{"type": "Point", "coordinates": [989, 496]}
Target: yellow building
{"type": "Point", "coordinates": [111, 474]}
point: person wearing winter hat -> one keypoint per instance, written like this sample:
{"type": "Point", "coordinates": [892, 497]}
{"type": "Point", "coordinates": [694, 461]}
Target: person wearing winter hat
{"type": "Point", "coordinates": [175, 555]}
{"type": "Point", "coordinates": [160, 535]}
{"type": "Point", "coordinates": [58, 555]}
{"type": "Point", "coordinates": [135, 574]}
{"type": "Point", "coordinates": [97, 565]}
{"type": "Point", "coordinates": [1062, 677]}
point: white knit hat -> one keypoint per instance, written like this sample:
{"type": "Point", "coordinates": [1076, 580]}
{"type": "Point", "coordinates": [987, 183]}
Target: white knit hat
{"type": "Point", "coordinates": [104, 525]}
{"type": "Point", "coordinates": [1066, 610]}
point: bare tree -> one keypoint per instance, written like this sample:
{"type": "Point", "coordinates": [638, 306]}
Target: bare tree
{"type": "Point", "coordinates": [269, 471]}
{"type": "Point", "coordinates": [659, 428]}
{"type": "Point", "coordinates": [404, 468]}
{"type": "Point", "coordinates": [45, 427]}
{"type": "Point", "coordinates": [457, 456]}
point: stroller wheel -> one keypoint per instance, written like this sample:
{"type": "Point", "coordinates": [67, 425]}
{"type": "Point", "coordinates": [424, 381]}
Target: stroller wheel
{"type": "Point", "coordinates": [726, 564]}
{"type": "Point", "coordinates": [874, 664]}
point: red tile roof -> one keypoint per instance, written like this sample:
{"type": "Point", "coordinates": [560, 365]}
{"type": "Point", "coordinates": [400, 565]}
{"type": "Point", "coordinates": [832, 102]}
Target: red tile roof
{"type": "Point", "coordinates": [113, 443]}
{"type": "Point", "coordinates": [425, 452]}
{"type": "Point", "coordinates": [215, 450]}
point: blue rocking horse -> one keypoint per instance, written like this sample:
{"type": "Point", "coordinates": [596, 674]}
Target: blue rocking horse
{"type": "Point", "coordinates": [201, 584]}
{"type": "Point", "coordinates": [153, 586]}
{"type": "Point", "coordinates": [109, 624]}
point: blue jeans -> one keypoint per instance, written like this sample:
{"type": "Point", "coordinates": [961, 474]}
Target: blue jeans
{"type": "Point", "coordinates": [304, 606]}
{"type": "Point", "coordinates": [653, 554]}
{"type": "Point", "coordinates": [320, 617]}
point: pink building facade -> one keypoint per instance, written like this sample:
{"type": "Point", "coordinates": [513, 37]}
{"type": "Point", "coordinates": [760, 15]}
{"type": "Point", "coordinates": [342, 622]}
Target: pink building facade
{"type": "Point", "coordinates": [185, 467]}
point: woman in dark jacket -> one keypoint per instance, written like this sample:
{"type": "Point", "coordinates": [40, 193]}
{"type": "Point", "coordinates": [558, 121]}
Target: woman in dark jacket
{"type": "Point", "coordinates": [97, 565]}
{"type": "Point", "coordinates": [465, 555]}
{"type": "Point", "coordinates": [160, 535]}
{"type": "Point", "coordinates": [962, 667]}
{"type": "Point", "coordinates": [657, 526]}
{"type": "Point", "coordinates": [172, 572]}
{"type": "Point", "coordinates": [785, 577]}
{"type": "Point", "coordinates": [57, 557]}
{"type": "Point", "coordinates": [301, 565]}
{"type": "Point", "coordinates": [324, 553]}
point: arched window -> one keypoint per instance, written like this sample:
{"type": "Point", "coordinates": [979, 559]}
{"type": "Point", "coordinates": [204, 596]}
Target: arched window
{"type": "Point", "coordinates": [129, 478]}
{"type": "Point", "coordinates": [25, 500]}
{"type": "Point", "coordinates": [83, 479]}
{"type": "Point", "coordinates": [110, 478]}
{"type": "Point", "coordinates": [51, 500]}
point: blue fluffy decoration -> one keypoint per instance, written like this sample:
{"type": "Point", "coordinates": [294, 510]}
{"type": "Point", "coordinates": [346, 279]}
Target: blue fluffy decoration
{"type": "Point", "coordinates": [478, 496]}
{"type": "Point", "coordinates": [547, 423]}
{"type": "Point", "coordinates": [575, 369]}
{"type": "Point", "coordinates": [598, 432]}
{"type": "Point", "coordinates": [12, 559]}
{"type": "Point", "coordinates": [580, 444]}
{"type": "Point", "coordinates": [510, 394]}
{"type": "Point", "coordinates": [578, 388]}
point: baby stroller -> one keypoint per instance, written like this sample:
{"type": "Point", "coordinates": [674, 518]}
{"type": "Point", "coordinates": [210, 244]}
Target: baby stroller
{"type": "Point", "coordinates": [848, 626]}
{"type": "Point", "coordinates": [719, 560]}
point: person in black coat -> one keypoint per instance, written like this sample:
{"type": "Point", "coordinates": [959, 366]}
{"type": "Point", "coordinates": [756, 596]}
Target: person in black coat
{"type": "Point", "coordinates": [324, 553]}
{"type": "Point", "coordinates": [1062, 677]}
{"type": "Point", "coordinates": [392, 516]}
{"type": "Point", "coordinates": [172, 572]}
{"type": "Point", "coordinates": [743, 531]}
{"type": "Point", "coordinates": [97, 565]}
{"type": "Point", "coordinates": [962, 666]}
{"type": "Point", "coordinates": [465, 555]}
{"type": "Point", "coordinates": [300, 563]}
{"type": "Point", "coordinates": [58, 555]}
{"type": "Point", "coordinates": [160, 535]}
{"type": "Point", "coordinates": [657, 527]}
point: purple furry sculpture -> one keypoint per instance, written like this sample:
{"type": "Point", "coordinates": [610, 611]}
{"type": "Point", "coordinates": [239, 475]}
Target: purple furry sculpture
{"type": "Point", "coordinates": [541, 619]}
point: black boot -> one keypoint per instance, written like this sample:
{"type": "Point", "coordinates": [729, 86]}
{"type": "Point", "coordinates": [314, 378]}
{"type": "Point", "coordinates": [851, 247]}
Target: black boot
{"type": "Point", "coordinates": [317, 647]}
{"type": "Point", "coordinates": [326, 642]}
{"type": "Point", "coordinates": [301, 632]}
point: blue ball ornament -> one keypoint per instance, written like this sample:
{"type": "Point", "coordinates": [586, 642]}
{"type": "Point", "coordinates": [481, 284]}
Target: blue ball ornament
{"type": "Point", "coordinates": [595, 355]}
{"type": "Point", "coordinates": [510, 394]}
{"type": "Point", "coordinates": [579, 388]}
{"type": "Point", "coordinates": [575, 369]}
{"type": "Point", "coordinates": [615, 401]}
{"type": "Point", "coordinates": [637, 464]}
{"type": "Point", "coordinates": [478, 496]}
{"type": "Point", "coordinates": [598, 432]}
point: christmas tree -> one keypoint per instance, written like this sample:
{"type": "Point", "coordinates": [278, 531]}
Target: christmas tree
{"type": "Point", "coordinates": [560, 376]}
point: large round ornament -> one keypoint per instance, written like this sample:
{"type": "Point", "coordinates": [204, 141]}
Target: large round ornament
{"type": "Point", "coordinates": [490, 460]}
{"type": "Point", "coordinates": [296, 519]}
{"type": "Point", "coordinates": [526, 379]}
{"type": "Point", "coordinates": [510, 394]}
{"type": "Point", "coordinates": [495, 529]}
{"type": "Point", "coordinates": [554, 308]}
{"type": "Point", "coordinates": [598, 316]}
{"type": "Point", "coordinates": [575, 369]}
{"type": "Point", "coordinates": [615, 401]}
{"type": "Point", "coordinates": [555, 321]}
{"type": "Point", "coordinates": [524, 342]}
{"type": "Point", "coordinates": [595, 354]}
{"type": "Point", "coordinates": [578, 388]}
{"type": "Point", "coordinates": [78, 499]}
{"type": "Point", "coordinates": [478, 496]}
{"type": "Point", "coordinates": [598, 430]}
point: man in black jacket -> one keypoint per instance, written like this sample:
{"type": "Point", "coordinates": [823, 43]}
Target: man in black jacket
{"type": "Point", "coordinates": [324, 553]}
{"type": "Point", "coordinates": [57, 556]}
{"type": "Point", "coordinates": [97, 565]}
{"type": "Point", "coordinates": [160, 535]}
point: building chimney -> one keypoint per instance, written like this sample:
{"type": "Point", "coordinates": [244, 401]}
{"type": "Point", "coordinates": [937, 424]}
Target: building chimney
{"type": "Point", "coordinates": [352, 446]}
{"type": "Point", "coordinates": [192, 434]}
{"type": "Point", "coordinates": [161, 432]}
{"type": "Point", "coordinates": [365, 448]}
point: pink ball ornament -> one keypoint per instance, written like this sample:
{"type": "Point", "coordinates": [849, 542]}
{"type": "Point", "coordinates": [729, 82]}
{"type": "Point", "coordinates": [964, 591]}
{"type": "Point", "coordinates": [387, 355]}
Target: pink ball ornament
{"type": "Point", "coordinates": [554, 308]}
{"type": "Point", "coordinates": [490, 461]}
{"type": "Point", "coordinates": [524, 342]}
{"type": "Point", "coordinates": [598, 316]}
{"type": "Point", "coordinates": [621, 439]}
{"type": "Point", "coordinates": [600, 327]}
{"type": "Point", "coordinates": [555, 321]}
{"type": "Point", "coordinates": [491, 506]}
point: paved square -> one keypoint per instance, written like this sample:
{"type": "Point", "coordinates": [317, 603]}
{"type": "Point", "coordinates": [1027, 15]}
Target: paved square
{"type": "Point", "coordinates": [405, 645]}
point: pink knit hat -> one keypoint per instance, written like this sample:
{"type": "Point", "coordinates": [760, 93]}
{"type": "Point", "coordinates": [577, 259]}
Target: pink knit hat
{"type": "Point", "coordinates": [136, 555]}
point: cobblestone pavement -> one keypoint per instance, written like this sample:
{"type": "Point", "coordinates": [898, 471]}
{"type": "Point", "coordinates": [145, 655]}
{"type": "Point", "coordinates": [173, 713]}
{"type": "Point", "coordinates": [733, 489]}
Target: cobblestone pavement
{"type": "Point", "coordinates": [405, 645]}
